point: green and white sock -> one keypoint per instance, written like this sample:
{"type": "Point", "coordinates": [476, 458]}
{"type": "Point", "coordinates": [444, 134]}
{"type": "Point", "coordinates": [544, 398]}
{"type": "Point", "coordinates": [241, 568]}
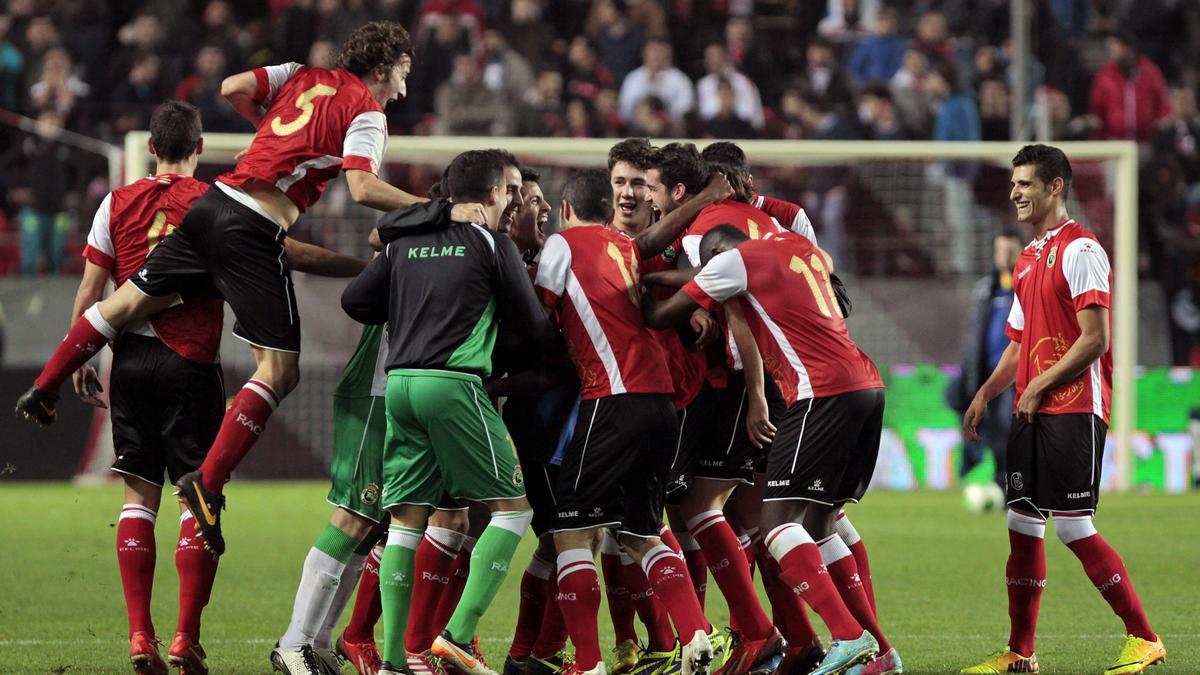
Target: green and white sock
{"type": "Point", "coordinates": [319, 584]}
{"type": "Point", "coordinates": [489, 567]}
{"type": "Point", "coordinates": [395, 589]}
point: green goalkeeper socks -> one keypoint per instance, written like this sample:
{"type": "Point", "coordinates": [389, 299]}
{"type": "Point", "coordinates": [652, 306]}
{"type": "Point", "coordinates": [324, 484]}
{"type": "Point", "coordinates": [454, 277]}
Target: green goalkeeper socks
{"type": "Point", "coordinates": [489, 568]}
{"type": "Point", "coordinates": [395, 589]}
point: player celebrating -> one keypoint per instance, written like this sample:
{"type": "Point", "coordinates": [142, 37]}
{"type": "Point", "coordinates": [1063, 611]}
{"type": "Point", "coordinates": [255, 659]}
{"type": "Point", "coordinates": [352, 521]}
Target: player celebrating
{"type": "Point", "coordinates": [1061, 360]}
{"type": "Point", "coordinates": [441, 293]}
{"type": "Point", "coordinates": [824, 453]}
{"type": "Point", "coordinates": [311, 123]}
{"type": "Point", "coordinates": [727, 156]}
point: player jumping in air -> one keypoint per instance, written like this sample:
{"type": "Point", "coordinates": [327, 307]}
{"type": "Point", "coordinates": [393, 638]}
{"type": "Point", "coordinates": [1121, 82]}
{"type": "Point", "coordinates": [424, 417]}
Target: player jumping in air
{"type": "Point", "coordinates": [312, 123]}
{"type": "Point", "coordinates": [1061, 359]}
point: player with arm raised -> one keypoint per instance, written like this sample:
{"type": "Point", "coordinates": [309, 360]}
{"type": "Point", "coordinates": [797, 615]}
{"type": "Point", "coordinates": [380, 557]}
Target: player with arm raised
{"type": "Point", "coordinates": [823, 454]}
{"type": "Point", "coordinates": [1061, 359]}
{"type": "Point", "coordinates": [312, 123]}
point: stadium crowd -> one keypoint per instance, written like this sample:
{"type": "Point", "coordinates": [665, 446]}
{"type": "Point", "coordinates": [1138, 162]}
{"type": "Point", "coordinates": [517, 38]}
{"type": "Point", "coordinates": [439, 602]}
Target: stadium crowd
{"type": "Point", "coordinates": [838, 69]}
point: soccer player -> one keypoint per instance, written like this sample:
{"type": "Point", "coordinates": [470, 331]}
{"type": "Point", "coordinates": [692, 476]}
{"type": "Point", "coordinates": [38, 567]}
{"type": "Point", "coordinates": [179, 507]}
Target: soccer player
{"type": "Point", "coordinates": [727, 156]}
{"type": "Point", "coordinates": [312, 123]}
{"type": "Point", "coordinates": [833, 420]}
{"type": "Point", "coordinates": [728, 457]}
{"type": "Point", "coordinates": [1061, 359]}
{"type": "Point", "coordinates": [442, 293]}
{"type": "Point", "coordinates": [614, 467]}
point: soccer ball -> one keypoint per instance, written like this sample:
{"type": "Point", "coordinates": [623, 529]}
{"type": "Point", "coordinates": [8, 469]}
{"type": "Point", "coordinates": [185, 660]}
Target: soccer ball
{"type": "Point", "coordinates": [983, 498]}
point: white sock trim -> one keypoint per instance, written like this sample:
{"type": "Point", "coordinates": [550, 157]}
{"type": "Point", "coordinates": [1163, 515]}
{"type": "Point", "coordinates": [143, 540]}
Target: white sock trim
{"type": "Point", "coordinates": [833, 549]}
{"type": "Point", "coordinates": [654, 555]}
{"type": "Point", "coordinates": [575, 560]}
{"type": "Point", "coordinates": [445, 540]}
{"type": "Point", "coordinates": [539, 568]}
{"type": "Point", "coordinates": [185, 516]}
{"type": "Point", "coordinates": [513, 521]}
{"type": "Point", "coordinates": [1026, 525]}
{"type": "Point", "coordinates": [744, 541]}
{"type": "Point", "coordinates": [704, 521]}
{"type": "Point", "coordinates": [469, 543]}
{"type": "Point", "coordinates": [94, 317]}
{"type": "Point", "coordinates": [404, 536]}
{"type": "Point", "coordinates": [786, 537]}
{"type": "Point", "coordinates": [264, 390]}
{"type": "Point", "coordinates": [138, 511]}
{"type": "Point", "coordinates": [845, 530]}
{"type": "Point", "coordinates": [1073, 528]}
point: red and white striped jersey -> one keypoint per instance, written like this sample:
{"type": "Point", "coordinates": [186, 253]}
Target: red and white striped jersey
{"type": "Point", "coordinates": [1054, 278]}
{"type": "Point", "coordinates": [588, 276]}
{"type": "Point", "coordinates": [744, 217]}
{"type": "Point", "coordinates": [128, 225]}
{"type": "Point", "coordinates": [788, 215]}
{"type": "Point", "coordinates": [783, 287]}
{"type": "Point", "coordinates": [318, 122]}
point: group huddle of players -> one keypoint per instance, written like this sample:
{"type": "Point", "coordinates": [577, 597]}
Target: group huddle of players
{"type": "Point", "coordinates": [678, 387]}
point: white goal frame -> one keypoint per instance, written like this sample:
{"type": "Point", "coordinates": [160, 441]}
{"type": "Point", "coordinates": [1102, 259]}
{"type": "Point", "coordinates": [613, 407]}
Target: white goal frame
{"type": "Point", "coordinates": [594, 151]}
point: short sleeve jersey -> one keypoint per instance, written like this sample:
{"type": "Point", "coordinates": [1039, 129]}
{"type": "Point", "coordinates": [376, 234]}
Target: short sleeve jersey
{"type": "Point", "coordinates": [1055, 278]}
{"type": "Point", "coordinates": [753, 221]}
{"type": "Point", "coordinates": [588, 276]}
{"type": "Point", "coordinates": [785, 294]}
{"type": "Point", "coordinates": [128, 225]}
{"type": "Point", "coordinates": [788, 215]}
{"type": "Point", "coordinates": [318, 122]}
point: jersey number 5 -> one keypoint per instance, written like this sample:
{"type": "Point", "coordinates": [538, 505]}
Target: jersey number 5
{"type": "Point", "coordinates": [627, 274]}
{"type": "Point", "coordinates": [304, 102]}
{"type": "Point", "coordinates": [805, 270]}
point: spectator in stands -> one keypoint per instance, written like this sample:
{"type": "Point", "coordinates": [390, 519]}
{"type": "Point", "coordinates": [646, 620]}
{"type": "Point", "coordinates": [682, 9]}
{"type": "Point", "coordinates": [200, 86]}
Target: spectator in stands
{"type": "Point", "coordinates": [40, 36]}
{"type": "Point", "coordinates": [878, 57]}
{"type": "Point", "coordinates": [12, 65]}
{"type": "Point", "coordinates": [1129, 95]}
{"type": "Point", "coordinates": [649, 15]}
{"type": "Point", "coordinates": [658, 77]}
{"type": "Point", "coordinates": [505, 71]}
{"type": "Point", "coordinates": [337, 19]}
{"type": "Point", "coordinates": [529, 34]}
{"type": "Point", "coordinates": [933, 38]}
{"type": "Point", "coordinates": [296, 30]}
{"type": "Point", "coordinates": [586, 75]}
{"type": "Point", "coordinates": [956, 119]}
{"type": "Point", "coordinates": [465, 108]}
{"type": "Point", "coordinates": [608, 113]}
{"type": "Point", "coordinates": [203, 89]}
{"type": "Point", "coordinates": [877, 114]}
{"type": "Point", "coordinates": [618, 40]}
{"type": "Point", "coordinates": [650, 119]}
{"type": "Point", "coordinates": [218, 30]}
{"type": "Point", "coordinates": [541, 113]}
{"type": "Point", "coordinates": [752, 59]}
{"type": "Point", "coordinates": [910, 92]}
{"type": "Point", "coordinates": [1183, 130]}
{"type": "Point", "coordinates": [142, 35]}
{"type": "Point", "coordinates": [849, 20]}
{"type": "Point", "coordinates": [437, 45]}
{"type": "Point", "coordinates": [322, 54]}
{"type": "Point", "coordinates": [581, 119]}
{"type": "Point", "coordinates": [44, 178]}
{"type": "Point", "coordinates": [726, 122]}
{"type": "Point", "coordinates": [60, 89]}
{"type": "Point", "coordinates": [746, 103]}
{"type": "Point", "coordinates": [134, 98]}
{"type": "Point", "coordinates": [826, 79]}
{"type": "Point", "coordinates": [994, 109]}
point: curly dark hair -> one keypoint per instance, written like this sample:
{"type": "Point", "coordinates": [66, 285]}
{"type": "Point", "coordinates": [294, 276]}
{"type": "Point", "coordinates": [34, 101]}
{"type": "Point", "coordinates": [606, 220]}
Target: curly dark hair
{"type": "Point", "coordinates": [379, 44]}
{"type": "Point", "coordinates": [730, 160]}
{"type": "Point", "coordinates": [631, 150]}
{"type": "Point", "coordinates": [681, 163]}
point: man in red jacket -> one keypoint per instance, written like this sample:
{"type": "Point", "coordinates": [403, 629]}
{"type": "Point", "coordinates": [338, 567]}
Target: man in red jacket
{"type": "Point", "coordinates": [1129, 94]}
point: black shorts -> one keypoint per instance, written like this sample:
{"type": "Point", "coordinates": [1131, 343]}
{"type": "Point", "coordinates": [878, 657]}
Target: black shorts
{"type": "Point", "coordinates": [535, 424]}
{"type": "Point", "coordinates": [825, 448]}
{"type": "Point", "coordinates": [166, 410]}
{"type": "Point", "coordinates": [614, 469]}
{"type": "Point", "coordinates": [694, 423]}
{"type": "Point", "coordinates": [726, 452]}
{"type": "Point", "coordinates": [228, 247]}
{"type": "Point", "coordinates": [1054, 464]}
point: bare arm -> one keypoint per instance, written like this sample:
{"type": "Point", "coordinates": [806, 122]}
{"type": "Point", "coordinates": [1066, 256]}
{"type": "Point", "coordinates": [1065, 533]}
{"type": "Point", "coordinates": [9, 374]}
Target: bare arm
{"type": "Point", "coordinates": [758, 417]}
{"type": "Point", "coordinates": [314, 259]}
{"type": "Point", "coordinates": [675, 277]}
{"type": "Point", "coordinates": [91, 291]}
{"type": "Point", "coordinates": [665, 314]}
{"type": "Point", "coordinates": [369, 190]}
{"type": "Point", "coordinates": [1091, 345]}
{"type": "Point", "coordinates": [239, 90]}
{"type": "Point", "coordinates": [1002, 378]}
{"type": "Point", "coordinates": [659, 236]}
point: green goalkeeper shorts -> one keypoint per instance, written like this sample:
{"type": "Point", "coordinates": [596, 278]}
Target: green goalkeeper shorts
{"type": "Point", "coordinates": [443, 435]}
{"type": "Point", "coordinates": [356, 472]}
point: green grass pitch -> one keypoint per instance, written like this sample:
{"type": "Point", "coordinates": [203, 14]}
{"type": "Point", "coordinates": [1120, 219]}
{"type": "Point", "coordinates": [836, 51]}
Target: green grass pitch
{"type": "Point", "coordinates": [937, 571]}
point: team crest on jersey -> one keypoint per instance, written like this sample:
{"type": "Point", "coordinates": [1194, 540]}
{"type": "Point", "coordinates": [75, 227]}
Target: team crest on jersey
{"type": "Point", "coordinates": [1042, 356]}
{"type": "Point", "coordinates": [1052, 257]}
{"type": "Point", "coordinates": [518, 477]}
{"type": "Point", "coordinates": [370, 494]}
{"type": "Point", "coordinates": [669, 253]}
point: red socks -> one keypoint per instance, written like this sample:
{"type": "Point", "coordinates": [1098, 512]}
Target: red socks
{"type": "Point", "coordinates": [367, 604]}
{"type": "Point", "coordinates": [1107, 572]}
{"type": "Point", "coordinates": [243, 423]}
{"type": "Point", "coordinates": [433, 568]}
{"type": "Point", "coordinates": [197, 569]}
{"type": "Point", "coordinates": [86, 337]}
{"type": "Point", "coordinates": [620, 606]}
{"type": "Point", "coordinates": [803, 571]}
{"type": "Point", "coordinates": [458, 580]}
{"type": "Point", "coordinates": [697, 566]}
{"type": "Point", "coordinates": [789, 614]}
{"type": "Point", "coordinates": [553, 634]}
{"type": "Point", "coordinates": [667, 573]}
{"type": "Point", "coordinates": [844, 572]}
{"type": "Point", "coordinates": [135, 558]}
{"type": "Point", "coordinates": [1025, 577]}
{"type": "Point", "coordinates": [579, 598]}
{"type": "Point", "coordinates": [533, 607]}
{"type": "Point", "coordinates": [727, 563]}
{"type": "Point", "coordinates": [858, 549]}
{"type": "Point", "coordinates": [660, 635]}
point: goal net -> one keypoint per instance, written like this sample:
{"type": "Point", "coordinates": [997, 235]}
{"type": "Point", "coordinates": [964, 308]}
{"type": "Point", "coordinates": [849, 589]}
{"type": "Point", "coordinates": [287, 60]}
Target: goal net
{"type": "Point", "coordinates": [910, 224]}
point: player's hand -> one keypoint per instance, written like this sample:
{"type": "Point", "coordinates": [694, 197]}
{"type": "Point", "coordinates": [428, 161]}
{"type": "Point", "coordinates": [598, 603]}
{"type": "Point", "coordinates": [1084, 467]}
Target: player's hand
{"type": "Point", "coordinates": [758, 423]}
{"type": "Point", "coordinates": [470, 212]}
{"type": "Point", "coordinates": [718, 187]}
{"type": "Point", "coordinates": [706, 328]}
{"type": "Point", "coordinates": [88, 387]}
{"type": "Point", "coordinates": [973, 417]}
{"type": "Point", "coordinates": [1030, 401]}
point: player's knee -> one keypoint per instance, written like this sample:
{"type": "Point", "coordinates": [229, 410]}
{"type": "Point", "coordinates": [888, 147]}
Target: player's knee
{"type": "Point", "coordinates": [447, 519]}
{"type": "Point", "coordinates": [1026, 524]}
{"type": "Point", "coordinates": [1071, 529]}
{"type": "Point", "coordinates": [352, 524]}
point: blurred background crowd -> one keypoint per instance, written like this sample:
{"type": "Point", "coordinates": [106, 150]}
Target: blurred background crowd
{"type": "Point", "coordinates": [794, 69]}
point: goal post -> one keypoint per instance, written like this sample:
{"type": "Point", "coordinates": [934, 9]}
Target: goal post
{"type": "Point", "coordinates": [1119, 179]}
